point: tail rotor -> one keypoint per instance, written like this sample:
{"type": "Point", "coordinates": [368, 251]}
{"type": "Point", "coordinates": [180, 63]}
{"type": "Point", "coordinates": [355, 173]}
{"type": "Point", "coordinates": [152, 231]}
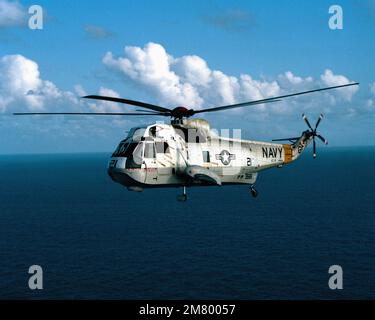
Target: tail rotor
{"type": "Point", "coordinates": [313, 132]}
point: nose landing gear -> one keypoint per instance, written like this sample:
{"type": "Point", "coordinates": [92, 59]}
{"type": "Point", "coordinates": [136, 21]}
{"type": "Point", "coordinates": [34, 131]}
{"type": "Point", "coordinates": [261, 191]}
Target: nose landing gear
{"type": "Point", "coordinates": [182, 197]}
{"type": "Point", "coordinates": [253, 191]}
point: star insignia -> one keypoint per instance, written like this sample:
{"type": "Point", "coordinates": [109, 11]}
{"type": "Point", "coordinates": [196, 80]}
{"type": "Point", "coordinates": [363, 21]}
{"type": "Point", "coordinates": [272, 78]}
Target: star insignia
{"type": "Point", "coordinates": [226, 157]}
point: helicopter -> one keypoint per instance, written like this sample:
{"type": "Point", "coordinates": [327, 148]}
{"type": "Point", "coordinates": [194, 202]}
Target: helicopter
{"type": "Point", "coordinates": [187, 153]}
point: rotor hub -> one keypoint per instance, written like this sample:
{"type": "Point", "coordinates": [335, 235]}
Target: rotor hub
{"type": "Point", "coordinates": [181, 112]}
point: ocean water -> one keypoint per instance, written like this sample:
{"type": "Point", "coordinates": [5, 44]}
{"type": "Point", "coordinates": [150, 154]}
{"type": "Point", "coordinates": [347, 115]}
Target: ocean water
{"type": "Point", "coordinates": [95, 239]}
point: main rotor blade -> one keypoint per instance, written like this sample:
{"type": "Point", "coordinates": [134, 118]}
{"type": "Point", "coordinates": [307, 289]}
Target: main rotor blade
{"type": "Point", "coordinates": [238, 105]}
{"type": "Point", "coordinates": [131, 102]}
{"type": "Point", "coordinates": [87, 114]}
{"type": "Point", "coordinates": [272, 99]}
{"type": "Point", "coordinates": [322, 138]}
{"type": "Point", "coordinates": [147, 111]}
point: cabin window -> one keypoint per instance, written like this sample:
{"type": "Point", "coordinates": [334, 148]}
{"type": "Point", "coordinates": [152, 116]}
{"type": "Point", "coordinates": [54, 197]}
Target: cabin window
{"type": "Point", "coordinates": [162, 147]}
{"type": "Point", "coordinates": [166, 148]}
{"type": "Point", "coordinates": [149, 150]}
{"type": "Point", "coordinates": [206, 156]}
{"type": "Point", "coordinates": [153, 131]}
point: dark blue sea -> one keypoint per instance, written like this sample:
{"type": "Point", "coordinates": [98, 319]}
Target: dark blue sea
{"type": "Point", "coordinates": [95, 239]}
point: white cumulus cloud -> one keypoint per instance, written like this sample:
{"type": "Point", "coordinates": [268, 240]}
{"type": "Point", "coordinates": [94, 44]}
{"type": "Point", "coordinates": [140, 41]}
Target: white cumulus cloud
{"type": "Point", "coordinates": [189, 81]}
{"type": "Point", "coordinates": [12, 13]}
{"type": "Point", "coordinates": [22, 88]}
{"type": "Point", "coordinates": [171, 81]}
{"type": "Point", "coordinates": [288, 79]}
{"type": "Point", "coordinates": [331, 79]}
{"type": "Point", "coordinates": [151, 68]}
{"type": "Point", "coordinates": [105, 106]}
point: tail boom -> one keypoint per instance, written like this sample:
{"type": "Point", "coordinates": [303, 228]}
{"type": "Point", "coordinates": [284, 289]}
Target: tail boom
{"type": "Point", "coordinates": [294, 150]}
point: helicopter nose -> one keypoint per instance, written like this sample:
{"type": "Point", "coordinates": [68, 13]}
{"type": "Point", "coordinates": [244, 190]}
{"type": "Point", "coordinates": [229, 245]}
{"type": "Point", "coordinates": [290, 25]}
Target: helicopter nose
{"type": "Point", "coordinates": [116, 169]}
{"type": "Point", "coordinates": [116, 163]}
{"type": "Point", "coordinates": [119, 173]}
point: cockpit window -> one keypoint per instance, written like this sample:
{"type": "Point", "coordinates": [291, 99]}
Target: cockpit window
{"type": "Point", "coordinates": [137, 153]}
{"type": "Point", "coordinates": [134, 156]}
{"type": "Point", "coordinates": [125, 149]}
{"type": "Point", "coordinates": [136, 133]}
{"type": "Point", "coordinates": [120, 149]}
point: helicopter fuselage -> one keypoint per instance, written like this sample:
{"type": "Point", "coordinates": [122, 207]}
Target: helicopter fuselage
{"type": "Point", "coordinates": [190, 154]}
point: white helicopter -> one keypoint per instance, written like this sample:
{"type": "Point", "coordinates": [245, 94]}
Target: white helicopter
{"type": "Point", "coordinates": [188, 153]}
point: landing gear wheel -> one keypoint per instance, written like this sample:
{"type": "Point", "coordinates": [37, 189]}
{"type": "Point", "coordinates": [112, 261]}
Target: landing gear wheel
{"type": "Point", "coordinates": [253, 191]}
{"type": "Point", "coordinates": [182, 197]}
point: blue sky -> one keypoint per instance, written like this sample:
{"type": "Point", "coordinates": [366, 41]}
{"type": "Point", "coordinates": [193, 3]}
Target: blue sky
{"type": "Point", "coordinates": [216, 51]}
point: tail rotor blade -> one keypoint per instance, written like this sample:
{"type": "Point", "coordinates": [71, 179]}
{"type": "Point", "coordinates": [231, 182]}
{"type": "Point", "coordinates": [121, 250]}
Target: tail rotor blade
{"type": "Point", "coordinates": [307, 122]}
{"type": "Point", "coordinates": [314, 148]}
{"type": "Point", "coordinates": [322, 139]}
{"type": "Point", "coordinates": [318, 122]}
